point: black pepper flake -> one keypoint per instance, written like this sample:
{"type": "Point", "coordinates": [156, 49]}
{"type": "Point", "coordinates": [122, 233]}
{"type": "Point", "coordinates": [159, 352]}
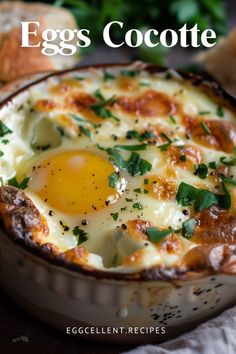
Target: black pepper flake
{"type": "Point", "coordinates": [65, 227]}
{"type": "Point", "coordinates": [185, 212]}
{"type": "Point", "coordinates": [124, 227]}
{"type": "Point", "coordinates": [84, 222]}
{"type": "Point", "coordinates": [51, 212]}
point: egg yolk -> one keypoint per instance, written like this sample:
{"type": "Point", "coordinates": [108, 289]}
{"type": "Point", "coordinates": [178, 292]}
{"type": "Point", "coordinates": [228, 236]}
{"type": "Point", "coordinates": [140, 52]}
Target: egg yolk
{"type": "Point", "coordinates": [74, 182]}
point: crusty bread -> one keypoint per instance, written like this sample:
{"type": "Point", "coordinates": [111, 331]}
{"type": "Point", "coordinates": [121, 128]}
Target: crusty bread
{"type": "Point", "coordinates": [220, 61]}
{"type": "Point", "coordinates": [17, 61]}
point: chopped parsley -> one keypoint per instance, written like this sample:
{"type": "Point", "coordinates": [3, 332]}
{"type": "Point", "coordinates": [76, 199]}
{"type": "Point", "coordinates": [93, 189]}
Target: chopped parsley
{"type": "Point", "coordinates": [183, 158]}
{"type": "Point", "coordinates": [145, 181]}
{"type": "Point", "coordinates": [220, 112]}
{"type": "Point", "coordinates": [131, 147]}
{"type": "Point", "coordinates": [155, 235]}
{"type": "Point", "coordinates": [80, 234]}
{"type": "Point", "coordinates": [203, 113]}
{"type": "Point", "coordinates": [138, 206]}
{"type": "Point", "coordinates": [115, 216]}
{"type": "Point", "coordinates": [228, 180]}
{"type": "Point", "coordinates": [99, 107]}
{"type": "Point", "coordinates": [212, 165]}
{"type": "Point", "coordinates": [165, 146]}
{"type": "Point", "coordinates": [129, 73]}
{"type": "Point", "coordinates": [135, 165]}
{"type": "Point", "coordinates": [201, 170]}
{"type": "Point", "coordinates": [188, 227]}
{"type": "Point", "coordinates": [113, 179]}
{"type": "Point", "coordinates": [22, 185]}
{"type": "Point", "coordinates": [85, 131]}
{"type": "Point", "coordinates": [201, 198]}
{"type": "Point", "coordinates": [206, 129]}
{"type": "Point", "coordinates": [137, 190]}
{"type": "Point", "coordinates": [1, 153]}
{"type": "Point", "coordinates": [228, 161]}
{"type": "Point", "coordinates": [79, 78]}
{"type": "Point", "coordinates": [4, 130]}
{"type": "Point", "coordinates": [107, 76]}
{"type": "Point", "coordinates": [172, 119]}
{"type": "Point", "coordinates": [79, 119]}
{"type": "Point", "coordinates": [144, 84]}
{"type": "Point", "coordinates": [5, 141]}
{"type": "Point", "coordinates": [133, 134]}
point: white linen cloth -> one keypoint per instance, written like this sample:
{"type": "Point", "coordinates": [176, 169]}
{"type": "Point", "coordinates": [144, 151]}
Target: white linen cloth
{"type": "Point", "coordinates": [216, 336]}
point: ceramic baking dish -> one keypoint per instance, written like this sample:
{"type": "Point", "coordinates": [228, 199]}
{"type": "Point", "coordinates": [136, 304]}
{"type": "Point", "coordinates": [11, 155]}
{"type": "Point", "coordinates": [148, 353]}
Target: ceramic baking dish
{"type": "Point", "coordinates": [63, 294]}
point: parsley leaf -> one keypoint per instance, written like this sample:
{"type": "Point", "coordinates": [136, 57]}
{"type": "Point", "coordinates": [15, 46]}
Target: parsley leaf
{"type": "Point", "coordinates": [188, 227]}
{"type": "Point", "coordinates": [4, 130]}
{"type": "Point", "coordinates": [206, 129]}
{"type": "Point", "coordinates": [138, 206]}
{"type": "Point", "coordinates": [228, 180]}
{"type": "Point", "coordinates": [133, 134]}
{"type": "Point", "coordinates": [85, 131]}
{"type": "Point", "coordinates": [156, 235]}
{"type": "Point", "coordinates": [80, 234]}
{"type": "Point", "coordinates": [220, 112]}
{"type": "Point", "coordinates": [201, 170]}
{"type": "Point", "coordinates": [113, 179]}
{"type": "Point", "coordinates": [135, 165]}
{"type": "Point", "coordinates": [228, 161]}
{"type": "Point", "coordinates": [99, 108]}
{"type": "Point", "coordinates": [201, 198]}
{"type": "Point", "coordinates": [22, 185]}
{"type": "Point", "coordinates": [172, 119]}
{"type": "Point", "coordinates": [107, 76]}
{"type": "Point", "coordinates": [212, 165]}
{"type": "Point", "coordinates": [115, 216]}
{"type": "Point", "coordinates": [132, 147]}
{"type": "Point", "coordinates": [129, 73]}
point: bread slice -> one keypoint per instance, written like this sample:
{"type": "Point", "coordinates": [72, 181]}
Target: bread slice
{"type": "Point", "coordinates": [220, 61]}
{"type": "Point", "coordinates": [17, 61]}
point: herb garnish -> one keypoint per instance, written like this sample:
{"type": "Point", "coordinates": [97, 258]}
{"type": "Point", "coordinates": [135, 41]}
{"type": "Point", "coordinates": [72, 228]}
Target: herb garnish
{"type": "Point", "coordinates": [156, 235]}
{"type": "Point", "coordinates": [131, 147]}
{"type": "Point", "coordinates": [80, 234]}
{"type": "Point", "coordinates": [135, 165]}
{"type": "Point", "coordinates": [212, 165]}
{"type": "Point", "coordinates": [138, 206]}
{"type": "Point", "coordinates": [206, 129]}
{"type": "Point", "coordinates": [85, 131]}
{"type": "Point", "coordinates": [188, 227]}
{"type": "Point", "coordinates": [203, 113]}
{"type": "Point", "coordinates": [5, 141]}
{"type": "Point", "coordinates": [115, 216]}
{"type": "Point", "coordinates": [201, 198]}
{"type": "Point", "coordinates": [228, 180]}
{"type": "Point", "coordinates": [79, 119]}
{"type": "Point", "coordinates": [107, 76]}
{"type": "Point", "coordinates": [201, 170]}
{"type": "Point", "coordinates": [133, 134]}
{"type": "Point", "coordinates": [228, 161]}
{"type": "Point", "coordinates": [113, 179]}
{"type": "Point", "coordinates": [165, 146]}
{"type": "Point", "coordinates": [220, 112]}
{"type": "Point", "coordinates": [129, 73]}
{"type": "Point", "coordinates": [4, 130]}
{"type": "Point", "coordinates": [22, 185]}
{"type": "Point", "coordinates": [99, 107]}
{"type": "Point", "coordinates": [172, 119]}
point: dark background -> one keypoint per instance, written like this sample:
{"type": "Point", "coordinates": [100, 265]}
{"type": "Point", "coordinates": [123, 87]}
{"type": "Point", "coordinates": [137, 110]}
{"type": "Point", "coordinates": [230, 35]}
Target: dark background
{"type": "Point", "coordinates": [20, 332]}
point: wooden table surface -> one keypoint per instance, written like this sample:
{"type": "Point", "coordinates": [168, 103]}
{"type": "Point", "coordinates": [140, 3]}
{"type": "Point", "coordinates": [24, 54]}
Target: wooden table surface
{"type": "Point", "coordinates": [19, 331]}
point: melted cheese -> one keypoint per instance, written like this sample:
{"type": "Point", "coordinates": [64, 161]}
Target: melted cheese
{"type": "Point", "coordinates": [167, 109]}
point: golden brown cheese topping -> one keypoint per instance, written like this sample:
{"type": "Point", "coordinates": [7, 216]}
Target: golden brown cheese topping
{"type": "Point", "coordinates": [122, 170]}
